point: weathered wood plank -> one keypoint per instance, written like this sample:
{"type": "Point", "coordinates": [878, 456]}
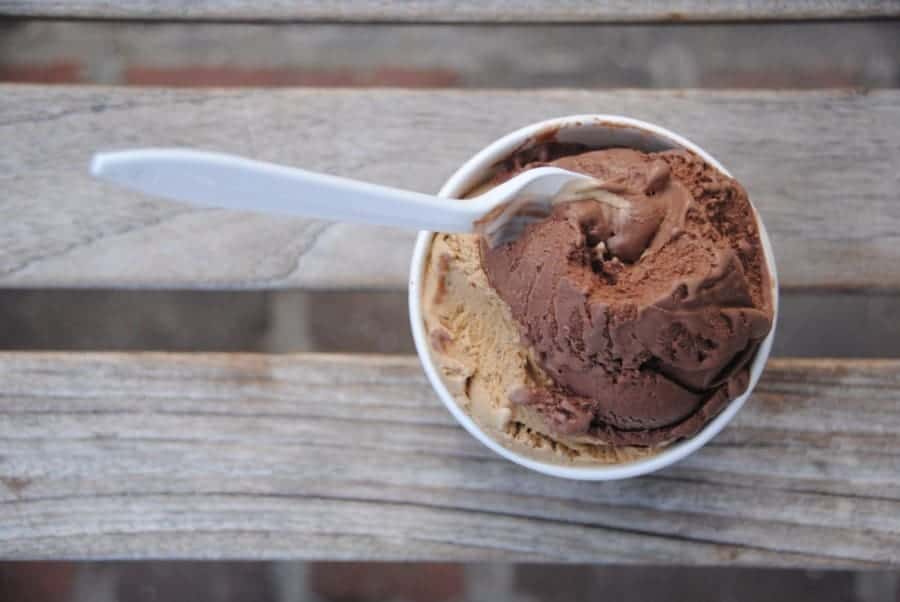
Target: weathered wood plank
{"type": "Point", "coordinates": [821, 166]}
{"type": "Point", "coordinates": [501, 11]}
{"type": "Point", "coordinates": [325, 456]}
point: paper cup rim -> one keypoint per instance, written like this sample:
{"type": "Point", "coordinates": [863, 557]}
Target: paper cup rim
{"type": "Point", "coordinates": [474, 171]}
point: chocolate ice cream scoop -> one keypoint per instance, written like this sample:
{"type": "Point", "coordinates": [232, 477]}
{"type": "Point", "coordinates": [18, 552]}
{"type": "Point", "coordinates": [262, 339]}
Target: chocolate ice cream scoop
{"type": "Point", "coordinates": [644, 316]}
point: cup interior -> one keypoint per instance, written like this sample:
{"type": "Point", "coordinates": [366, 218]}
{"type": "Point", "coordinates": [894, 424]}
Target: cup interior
{"type": "Point", "coordinates": [597, 131]}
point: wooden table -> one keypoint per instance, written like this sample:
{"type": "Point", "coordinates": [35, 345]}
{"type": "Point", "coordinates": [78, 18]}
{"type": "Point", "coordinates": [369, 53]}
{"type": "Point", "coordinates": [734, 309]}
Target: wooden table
{"type": "Point", "coordinates": [136, 455]}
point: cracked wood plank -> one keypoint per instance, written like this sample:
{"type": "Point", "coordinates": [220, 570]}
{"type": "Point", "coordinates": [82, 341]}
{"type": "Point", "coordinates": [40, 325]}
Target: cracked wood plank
{"type": "Point", "coordinates": [489, 11]}
{"type": "Point", "coordinates": [353, 457]}
{"type": "Point", "coordinates": [820, 166]}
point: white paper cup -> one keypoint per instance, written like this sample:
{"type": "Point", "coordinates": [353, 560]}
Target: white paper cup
{"type": "Point", "coordinates": [596, 131]}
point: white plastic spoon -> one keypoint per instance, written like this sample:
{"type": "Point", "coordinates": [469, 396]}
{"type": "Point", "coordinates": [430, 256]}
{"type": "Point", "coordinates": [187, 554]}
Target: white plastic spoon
{"type": "Point", "coordinates": [228, 181]}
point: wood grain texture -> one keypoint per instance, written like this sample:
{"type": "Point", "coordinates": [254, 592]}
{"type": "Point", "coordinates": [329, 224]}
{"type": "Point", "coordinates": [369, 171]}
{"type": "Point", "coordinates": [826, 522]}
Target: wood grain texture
{"type": "Point", "coordinates": [820, 166]}
{"type": "Point", "coordinates": [353, 457]}
{"type": "Point", "coordinates": [500, 11]}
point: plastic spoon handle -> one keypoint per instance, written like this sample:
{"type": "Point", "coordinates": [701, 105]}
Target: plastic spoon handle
{"type": "Point", "coordinates": [227, 181]}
